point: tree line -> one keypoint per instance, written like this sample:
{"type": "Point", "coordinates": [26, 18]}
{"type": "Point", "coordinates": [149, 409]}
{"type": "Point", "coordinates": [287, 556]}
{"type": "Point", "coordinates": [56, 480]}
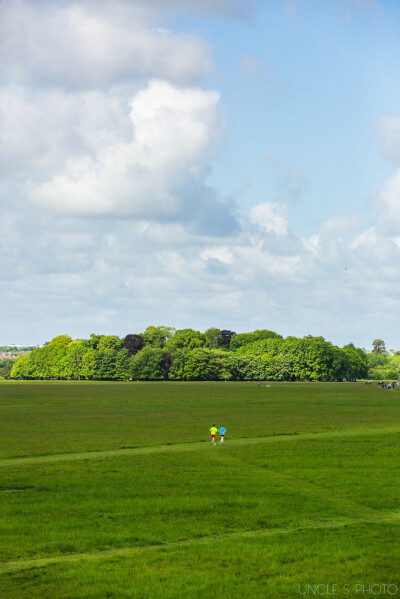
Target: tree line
{"type": "Point", "coordinates": [163, 353]}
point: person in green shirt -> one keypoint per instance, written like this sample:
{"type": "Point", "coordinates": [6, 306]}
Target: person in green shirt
{"type": "Point", "coordinates": [213, 431]}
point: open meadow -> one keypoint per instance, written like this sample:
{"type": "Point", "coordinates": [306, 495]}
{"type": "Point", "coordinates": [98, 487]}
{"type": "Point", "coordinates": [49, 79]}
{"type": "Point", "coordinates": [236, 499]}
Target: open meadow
{"type": "Point", "coordinates": [113, 490]}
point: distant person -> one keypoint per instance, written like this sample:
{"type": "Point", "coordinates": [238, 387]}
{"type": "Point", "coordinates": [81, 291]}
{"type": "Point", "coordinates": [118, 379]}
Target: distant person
{"type": "Point", "coordinates": [213, 431]}
{"type": "Point", "coordinates": [222, 431]}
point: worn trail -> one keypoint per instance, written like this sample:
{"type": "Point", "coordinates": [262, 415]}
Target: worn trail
{"type": "Point", "coordinates": [26, 564]}
{"type": "Point", "coordinates": [184, 447]}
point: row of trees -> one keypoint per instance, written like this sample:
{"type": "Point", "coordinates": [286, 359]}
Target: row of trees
{"type": "Point", "coordinates": [382, 367]}
{"type": "Point", "coordinates": [163, 353]}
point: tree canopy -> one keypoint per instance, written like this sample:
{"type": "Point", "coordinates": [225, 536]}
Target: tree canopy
{"type": "Point", "coordinates": [163, 353]}
{"type": "Point", "coordinates": [378, 346]}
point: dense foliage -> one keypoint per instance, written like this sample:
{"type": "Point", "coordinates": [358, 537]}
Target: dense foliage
{"type": "Point", "coordinates": [6, 367]}
{"type": "Point", "coordinates": [381, 366]}
{"type": "Point", "coordinates": [162, 353]}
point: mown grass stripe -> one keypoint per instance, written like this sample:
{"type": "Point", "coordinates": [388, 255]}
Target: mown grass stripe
{"type": "Point", "coordinates": [300, 486]}
{"type": "Point", "coordinates": [16, 566]}
{"type": "Point", "coordinates": [182, 447]}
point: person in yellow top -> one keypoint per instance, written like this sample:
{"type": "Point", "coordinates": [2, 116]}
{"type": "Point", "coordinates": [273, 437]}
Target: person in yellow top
{"type": "Point", "coordinates": [213, 431]}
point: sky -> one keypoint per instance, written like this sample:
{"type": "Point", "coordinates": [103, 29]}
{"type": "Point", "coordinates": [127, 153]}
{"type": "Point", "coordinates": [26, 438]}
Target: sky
{"type": "Point", "coordinates": [200, 163]}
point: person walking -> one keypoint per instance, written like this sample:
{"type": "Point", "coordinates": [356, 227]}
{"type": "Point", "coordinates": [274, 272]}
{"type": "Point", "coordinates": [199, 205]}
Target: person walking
{"type": "Point", "coordinates": [213, 431]}
{"type": "Point", "coordinates": [222, 431]}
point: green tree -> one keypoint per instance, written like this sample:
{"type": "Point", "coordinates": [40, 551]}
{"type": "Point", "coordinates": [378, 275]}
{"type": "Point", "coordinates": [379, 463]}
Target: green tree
{"type": "Point", "coordinates": [122, 365]}
{"type": "Point", "coordinates": [21, 369]}
{"type": "Point", "coordinates": [110, 343]}
{"type": "Point", "coordinates": [148, 364]}
{"type": "Point", "coordinates": [185, 339]}
{"type": "Point", "coordinates": [157, 336]}
{"type": "Point", "coordinates": [73, 361]}
{"type": "Point", "coordinates": [48, 362]}
{"type": "Point", "coordinates": [378, 346]}
{"type": "Point", "coordinates": [6, 367]}
{"type": "Point", "coordinates": [214, 338]}
{"type": "Point", "coordinates": [240, 339]}
{"type": "Point", "coordinates": [106, 364]}
{"type": "Point", "coordinates": [200, 364]}
{"type": "Point", "coordinates": [89, 364]}
{"type": "Point", "coordinates": [94, 340]}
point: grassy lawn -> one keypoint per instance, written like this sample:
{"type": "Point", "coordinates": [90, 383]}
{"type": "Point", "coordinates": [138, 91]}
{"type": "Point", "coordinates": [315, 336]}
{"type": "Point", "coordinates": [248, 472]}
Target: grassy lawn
{"type": "Point", "coordinates": [309, 503]}
{"type": "Point", "coordinates": [56, 417]}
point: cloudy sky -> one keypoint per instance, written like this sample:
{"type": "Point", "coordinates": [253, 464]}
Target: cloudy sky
{"type": "Point", "coordinates": [198, 163]}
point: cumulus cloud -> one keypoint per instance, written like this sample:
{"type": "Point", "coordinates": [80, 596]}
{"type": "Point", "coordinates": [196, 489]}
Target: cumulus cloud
{"type": "Point", "coordinates": [270, 216]}
{"type": "Point", "coordinates": [108, 221]}
{"type": "Point", "coordinates": [116, 276]}
{"type": "Point", "coordinates": [158, 175]}
{"type": "Point", "coordinates": [41, 129]}
{"type": "Point", "coordinates": [220, 253]}
{"type": "Point", "coordinates": [81, 133]}
{"type": "Point", "coordinates": [49, 44]}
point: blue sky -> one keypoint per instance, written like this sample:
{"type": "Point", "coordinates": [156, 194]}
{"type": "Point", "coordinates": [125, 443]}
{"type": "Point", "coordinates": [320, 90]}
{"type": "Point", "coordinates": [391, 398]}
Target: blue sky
{"type": "Point", "coordinates": [320, 77]}
{"type": "Point", "coordinates": [197, 164]}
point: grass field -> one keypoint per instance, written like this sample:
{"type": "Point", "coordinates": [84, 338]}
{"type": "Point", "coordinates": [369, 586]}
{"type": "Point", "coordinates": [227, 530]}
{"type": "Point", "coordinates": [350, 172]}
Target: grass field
{"type": "Point", "coordinates": [112, 490]}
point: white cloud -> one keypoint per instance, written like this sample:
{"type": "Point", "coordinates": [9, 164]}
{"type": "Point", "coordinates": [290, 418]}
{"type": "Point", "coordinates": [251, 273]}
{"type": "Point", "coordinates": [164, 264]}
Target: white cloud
{"type": "Point", "coordinates": [366, 239]}
{"type": "Point", "coordinates": [158, 175]}
{"type": "Point", "coordinates": [71, 46]}
{"type": "Point", "coordinates": [312, 244]}
{"type": "Point", "coordinates": [111, 276]}
{"type": "Point", "coordinates": [337, 227]}
{"type": "Point", "coordinates": [270, 216]}
{"type": "Point", "coordinates": [41, 130]}
{"type": "Point", "coordinates": [389, 200]}
{"type": "Point", "coordinates": [122, 228]}
{"type": "Point", "coordinates": [221, 253]}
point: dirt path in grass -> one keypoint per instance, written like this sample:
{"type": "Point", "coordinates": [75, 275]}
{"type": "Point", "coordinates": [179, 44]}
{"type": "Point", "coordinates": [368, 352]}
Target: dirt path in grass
{"type": "Point", "coordinates": [183, 447]}
{"type": "Point", "coordinates": [16, 566]}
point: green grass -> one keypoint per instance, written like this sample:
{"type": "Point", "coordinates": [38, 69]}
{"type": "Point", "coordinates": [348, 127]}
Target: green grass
{"type": "Point", "coordinates": [305, 491]}
{"type": "Point", "coordinates": [57, 417]}
{"type": "Point", "coordinates": [257, 568]}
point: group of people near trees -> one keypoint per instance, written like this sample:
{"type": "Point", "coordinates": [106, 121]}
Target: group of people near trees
{"type": "Point", "coordinates": [390, 385]}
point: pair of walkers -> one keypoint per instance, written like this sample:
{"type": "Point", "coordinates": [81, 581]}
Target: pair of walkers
{"type": "Point", "coordinates": [214, 430]}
